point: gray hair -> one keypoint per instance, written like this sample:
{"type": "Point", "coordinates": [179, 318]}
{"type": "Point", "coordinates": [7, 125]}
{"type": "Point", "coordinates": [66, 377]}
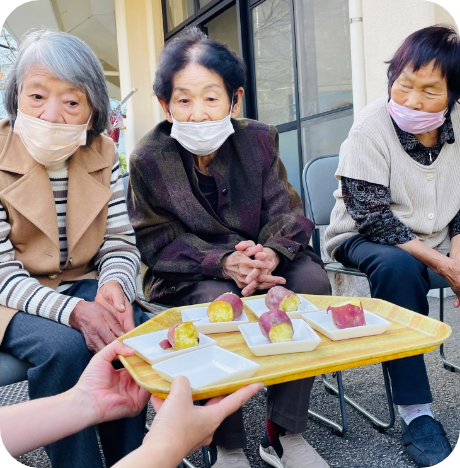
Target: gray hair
{"type": "Point", "coordinates": [69, 59]}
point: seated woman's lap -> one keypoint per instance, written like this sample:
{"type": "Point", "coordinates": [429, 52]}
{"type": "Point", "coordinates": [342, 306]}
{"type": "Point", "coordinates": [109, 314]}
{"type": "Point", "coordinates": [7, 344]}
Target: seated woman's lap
{"type": "Point", "coordinates": [303, 275]}
{"type": "Point", "coordinates": [394, 274]}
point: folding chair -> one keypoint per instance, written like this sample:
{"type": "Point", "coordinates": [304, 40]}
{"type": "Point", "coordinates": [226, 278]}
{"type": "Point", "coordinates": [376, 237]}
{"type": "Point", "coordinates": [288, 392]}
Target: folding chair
{"type": "Point", "coordinates": [319, 184]}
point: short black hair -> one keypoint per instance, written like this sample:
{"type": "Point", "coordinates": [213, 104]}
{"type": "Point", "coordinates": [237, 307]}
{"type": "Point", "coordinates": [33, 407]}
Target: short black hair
{"type": "Point", "coordinates": [439, 43]}
{"type": "Point", "coordinates": [195, 47]}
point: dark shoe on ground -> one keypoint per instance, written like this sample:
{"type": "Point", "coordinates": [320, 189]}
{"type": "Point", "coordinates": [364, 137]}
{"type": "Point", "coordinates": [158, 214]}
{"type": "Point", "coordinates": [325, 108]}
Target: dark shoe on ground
{"type": "Point", "coordinates": [425, 441]}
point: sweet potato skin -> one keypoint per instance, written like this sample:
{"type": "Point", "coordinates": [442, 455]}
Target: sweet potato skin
{"type": "Point", "coordinates": [217, 308]}
{"type": "Point", "coordinates": [271, 319]}
{"type": "Point", "coordinates": [281, 298]}
{"type": "Point", "coordinates": [348, 315]}
{"type": "Point", "coordinates": [165, 344]}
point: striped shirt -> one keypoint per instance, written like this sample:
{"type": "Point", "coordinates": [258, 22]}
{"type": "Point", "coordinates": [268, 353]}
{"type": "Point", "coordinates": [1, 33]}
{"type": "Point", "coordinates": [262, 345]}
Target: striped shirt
{"type": "Point", "coordinates": [117, 259]}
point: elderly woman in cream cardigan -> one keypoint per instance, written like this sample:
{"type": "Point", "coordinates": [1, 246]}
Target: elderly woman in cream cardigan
{"type": "Point", "coordinates": [397, 210]}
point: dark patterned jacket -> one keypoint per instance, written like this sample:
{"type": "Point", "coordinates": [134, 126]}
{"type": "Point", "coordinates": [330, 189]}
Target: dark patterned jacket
{"type": "Point", "coordinates": [180, 237]}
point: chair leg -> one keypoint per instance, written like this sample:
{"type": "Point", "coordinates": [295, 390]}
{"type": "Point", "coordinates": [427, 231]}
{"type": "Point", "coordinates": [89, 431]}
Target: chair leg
{"type": "Point", "coordinates": [447, 365]}
{"type": "Point", "coordinates": [377, 423]}
{"type": "Point", "coordinates": [337, 429]}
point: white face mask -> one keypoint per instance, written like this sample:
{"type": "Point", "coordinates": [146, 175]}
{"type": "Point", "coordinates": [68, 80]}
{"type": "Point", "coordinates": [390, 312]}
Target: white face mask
{"type": "Point", "coordinates": [49, 143]}
{"type": "Point", "coordinates": [202, 138]}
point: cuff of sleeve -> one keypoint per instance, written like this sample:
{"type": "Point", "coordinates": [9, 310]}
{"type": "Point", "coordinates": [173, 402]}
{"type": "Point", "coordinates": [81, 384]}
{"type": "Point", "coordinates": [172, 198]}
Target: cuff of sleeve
{"type": "Point", "coordinates": [284, 247]}
{"type": "Point", "coordinates": [130, 293]}
{"type": "Point", "coordinates": [212, 263]}
{"type": "Point", "coordinates": [68, 309]}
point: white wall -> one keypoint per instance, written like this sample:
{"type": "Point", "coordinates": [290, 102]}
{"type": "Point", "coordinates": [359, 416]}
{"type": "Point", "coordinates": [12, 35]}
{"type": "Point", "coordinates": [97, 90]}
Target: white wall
{"type": "Point", "coordinates": [386, 24]}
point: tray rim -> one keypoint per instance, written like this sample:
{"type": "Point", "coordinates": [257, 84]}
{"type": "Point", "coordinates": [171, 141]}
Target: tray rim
{"type": "Point", "coordinates": [444, 331]}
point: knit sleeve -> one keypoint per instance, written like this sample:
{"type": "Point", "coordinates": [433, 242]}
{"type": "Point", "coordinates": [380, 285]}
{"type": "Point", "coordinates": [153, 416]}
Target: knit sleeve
{"type": "Point", "coordinates": [118, 258]}
{"type": "Point", "coordinates": [19, 291]}
{"type": "Point", "coordinates": [454, 226]}
{"type": "Point", "coordinates": [361, 158]}
{"type": "Point", "coordinates": [369, 206]}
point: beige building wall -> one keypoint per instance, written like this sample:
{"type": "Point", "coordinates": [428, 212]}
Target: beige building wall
{"type": "Point", "coordinates": [140, 40]}
{"type": "Point", "coordinates": [386, 24]}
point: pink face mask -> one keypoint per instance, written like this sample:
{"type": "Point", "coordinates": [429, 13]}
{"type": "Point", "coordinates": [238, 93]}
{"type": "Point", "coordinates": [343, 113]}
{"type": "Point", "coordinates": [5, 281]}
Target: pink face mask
{"type": "Point", "coordinates": [415, 121]}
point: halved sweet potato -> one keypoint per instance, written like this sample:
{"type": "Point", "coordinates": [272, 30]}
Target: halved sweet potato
{"type": "Point", "coordinates": [283, 299]}
{"type": "Point", "coordinates": [348, 315]}
{"type": "Point", "coordinates": [182, 335]}
{"type": "Point", "coordinates": [225, 308]}
{"type": "Point", "coordinates": [276, 326]}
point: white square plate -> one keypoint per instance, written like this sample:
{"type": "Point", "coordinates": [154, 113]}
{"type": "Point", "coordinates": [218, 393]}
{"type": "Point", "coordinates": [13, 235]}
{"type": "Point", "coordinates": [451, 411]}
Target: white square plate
{"type": "Point", "coordinates": [206, 367]}
{"type": "Point", "coordinates": [322, 322]}
{"type": "Point", "coordinates": [304, 339]}
{"type": "Point", "coordinates": [203, 324]}
{"type": "Point", "coordinates": [148, 346]}
{"type": "Point", "coordinates": [258, 307]}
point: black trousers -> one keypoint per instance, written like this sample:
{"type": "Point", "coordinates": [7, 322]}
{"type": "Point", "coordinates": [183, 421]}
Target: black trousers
{"type": "Point", "coordinates": [395, 276]}
{"type": "Point", "coordinates": [287, 403]}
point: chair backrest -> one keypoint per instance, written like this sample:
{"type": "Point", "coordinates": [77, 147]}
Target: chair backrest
{"type": "Point", "coordinates": [125, 178]}
{"type": "Point", "coordinates": [319, 184]}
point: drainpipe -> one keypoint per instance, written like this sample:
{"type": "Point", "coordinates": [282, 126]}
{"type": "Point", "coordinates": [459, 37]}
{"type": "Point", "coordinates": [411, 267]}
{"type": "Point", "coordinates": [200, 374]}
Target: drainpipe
{"type": "Point", "coordinates": [358, 67]}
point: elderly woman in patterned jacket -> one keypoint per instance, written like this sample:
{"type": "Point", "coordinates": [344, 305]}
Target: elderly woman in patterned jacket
{"type": "Point", "coordinates": [213, 212]}
{"type": "Point", "coordinates": [397, 209]}
{"type": "Point", "coordinates": [68, 259]}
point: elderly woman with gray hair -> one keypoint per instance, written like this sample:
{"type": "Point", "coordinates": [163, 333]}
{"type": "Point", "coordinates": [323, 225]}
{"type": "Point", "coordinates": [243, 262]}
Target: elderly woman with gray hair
{"type": "Point", "coordinates": [68, 259]}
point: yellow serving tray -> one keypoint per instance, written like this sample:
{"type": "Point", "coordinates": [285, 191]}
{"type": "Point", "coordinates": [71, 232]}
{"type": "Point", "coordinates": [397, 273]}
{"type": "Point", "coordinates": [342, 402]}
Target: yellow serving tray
{"type": "Point", "coordinates": [409, 334]}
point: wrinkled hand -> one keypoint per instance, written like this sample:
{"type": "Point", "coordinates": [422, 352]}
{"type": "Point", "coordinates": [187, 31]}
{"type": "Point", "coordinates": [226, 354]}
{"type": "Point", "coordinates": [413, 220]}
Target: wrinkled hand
{"type": "Point", "coordinates": [260, 279]}
{"type": "Point", "coordinates": [98, 325]}
{"type": "Point", "coordinates": [184, 427]}
{"type": "Point", "coordinates": [109, 393]}
{"type": "Point", "coordinates": [452, 276]}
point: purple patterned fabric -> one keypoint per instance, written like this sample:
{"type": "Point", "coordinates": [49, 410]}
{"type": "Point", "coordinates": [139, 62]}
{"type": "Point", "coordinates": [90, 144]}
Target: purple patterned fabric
{"type": "Point", "coordinates": [182, 240]}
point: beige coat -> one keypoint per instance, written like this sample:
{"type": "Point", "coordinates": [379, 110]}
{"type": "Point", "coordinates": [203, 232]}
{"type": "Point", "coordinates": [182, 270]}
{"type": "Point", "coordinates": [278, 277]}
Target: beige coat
{"type": "Point", "coordinates": [26, 195]}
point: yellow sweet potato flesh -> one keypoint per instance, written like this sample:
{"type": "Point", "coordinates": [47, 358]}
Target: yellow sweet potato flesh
{"type": "Point", "coordinates": [290, 304]}
{"type": "Point", "coordinates": [220, 311]}
{"type": "Point", "coordinates": [281, 332]}
{"type": "Point", "coordinates": [186, 336]}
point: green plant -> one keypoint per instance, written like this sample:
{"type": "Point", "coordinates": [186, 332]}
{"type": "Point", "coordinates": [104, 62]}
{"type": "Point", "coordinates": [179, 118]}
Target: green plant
{"type": "Point", "coordinates": [123, 162]}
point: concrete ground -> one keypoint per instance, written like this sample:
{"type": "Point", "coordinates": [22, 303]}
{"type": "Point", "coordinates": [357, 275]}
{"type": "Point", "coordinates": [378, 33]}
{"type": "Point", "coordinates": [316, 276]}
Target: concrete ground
{"type": "Point", "coordinates": [362, 446]}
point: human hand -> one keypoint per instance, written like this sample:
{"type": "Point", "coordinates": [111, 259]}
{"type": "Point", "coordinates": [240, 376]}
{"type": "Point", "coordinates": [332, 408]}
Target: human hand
{"type": "Point", "coordinates": [451, 272]}
{"type": "Point", "coordinates": [237, 267]}
{"type": "Point", "coordinates": [98, 325]}
{"type": "Point", "coordinates": [106, 393]}
{"type": "Point", "coordinates": [182, 427]}
{"type": "Point", "coordinates": [112, 297]}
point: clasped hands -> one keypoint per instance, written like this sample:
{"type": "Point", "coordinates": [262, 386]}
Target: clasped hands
{"type": "Point", "coordinates": [105, 319]}
{"type": "Point", "coordinates": [251, 267]}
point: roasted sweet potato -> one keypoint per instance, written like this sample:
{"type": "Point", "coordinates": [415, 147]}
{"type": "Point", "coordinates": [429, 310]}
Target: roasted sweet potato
{"type": "Point", "coordinates": [225, 308]}
{"type": "Point", "coordinates": [283, 299]}
{"type": "Point", "coordinates": [348, 315]}
{"type": "Point", "coordinates": [276, 326]}
{"type": "Point", "coordinates": [182, 335]}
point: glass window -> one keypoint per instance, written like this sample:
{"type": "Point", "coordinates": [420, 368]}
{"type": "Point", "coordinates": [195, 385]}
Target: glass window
{"type": "Point", "coordinates": [273, 62]}
{"type": "Point", "coordinates": [204, 3]}
{"type": "Point", "coordinates": [324, 135]}
{"type": "Point", "coordinates": [289, 154]}
{"type": "Point", "coordinates": [177, 11]}
{"type": "Point", "coordinates": [324, 61]}
{"type": "Point", "coordinates": [224, 28]}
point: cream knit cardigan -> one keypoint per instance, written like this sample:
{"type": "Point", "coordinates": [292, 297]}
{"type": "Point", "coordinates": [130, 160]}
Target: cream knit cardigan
{"type": "Point", "coordinates": [425, 198]}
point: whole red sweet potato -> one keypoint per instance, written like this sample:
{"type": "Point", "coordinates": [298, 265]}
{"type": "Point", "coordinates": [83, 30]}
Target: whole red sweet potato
{"type": "Point", "coordinates": [225, 308]}
{"type": "Point", "coordinates": [276, 326]}
{"type": "Point", "coordinates": [348, 315]}
{"type": "Point", "coordinates": [283, 299]}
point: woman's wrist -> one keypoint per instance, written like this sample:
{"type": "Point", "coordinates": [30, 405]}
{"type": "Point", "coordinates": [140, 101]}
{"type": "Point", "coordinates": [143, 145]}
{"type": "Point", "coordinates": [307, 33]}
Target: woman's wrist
{"type": "Point", "coordinates": [84, 406]}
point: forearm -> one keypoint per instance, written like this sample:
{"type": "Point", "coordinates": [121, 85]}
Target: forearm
{"type": "Point", "coordinates": [455, 248]}
{"type": "Point", "coordinates": [36, 423]}
{"type": "Point", "coordinates": [428, 256]}
{"type": "Point", "coordinates": [157, 456]}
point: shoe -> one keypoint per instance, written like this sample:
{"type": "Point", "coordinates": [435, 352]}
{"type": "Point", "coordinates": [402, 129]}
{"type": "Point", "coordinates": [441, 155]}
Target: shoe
{"type": "Point", "coordinates": [425, 441]}
{"type": "Point", "coordinates": [290, 451]}
{"type": "Point", "coordinates": [231, 458]}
